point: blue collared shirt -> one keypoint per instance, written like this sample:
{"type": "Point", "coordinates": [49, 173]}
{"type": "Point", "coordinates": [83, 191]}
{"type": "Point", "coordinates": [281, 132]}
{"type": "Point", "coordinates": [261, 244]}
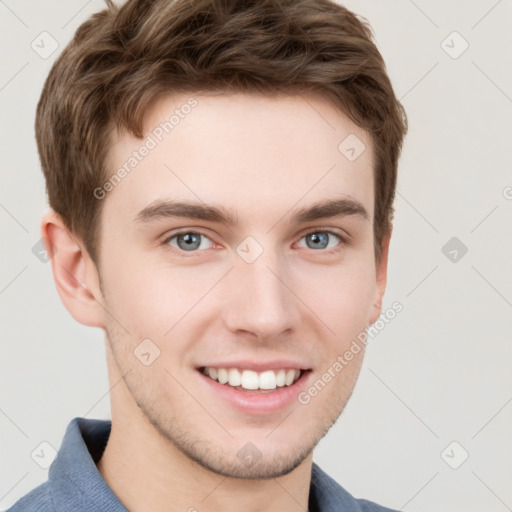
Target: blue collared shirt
{"type": "Point", "coordinates": [75, 484]}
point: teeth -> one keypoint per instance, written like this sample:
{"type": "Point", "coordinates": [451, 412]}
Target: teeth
{"type": "Point", "coordinates": [280, 378]}
{"type": "Point", "coordinates": [290, 376]}
{"type": "Point", "coordinates": [235, 378]}
{"type": "Point", "coordinates": [249, 379]}
{"type": "Point", "coordinates": [222, 375]}
{"type": "Point", "coordinates": [268, 380]}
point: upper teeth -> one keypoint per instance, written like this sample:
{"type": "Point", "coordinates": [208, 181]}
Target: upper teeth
{"type": "Point", "coordinates": [249, 379]}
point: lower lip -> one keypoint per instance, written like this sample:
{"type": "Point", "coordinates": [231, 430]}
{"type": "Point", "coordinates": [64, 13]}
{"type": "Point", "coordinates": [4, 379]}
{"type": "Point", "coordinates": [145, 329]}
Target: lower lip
{"type": "Point", "coordinates": [259, 403]}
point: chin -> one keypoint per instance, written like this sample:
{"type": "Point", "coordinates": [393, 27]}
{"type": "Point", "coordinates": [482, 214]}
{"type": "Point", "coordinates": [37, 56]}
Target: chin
{"type": "Point", "coordinates": [250, 463]}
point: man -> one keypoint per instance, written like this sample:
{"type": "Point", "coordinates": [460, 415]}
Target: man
{"type": "Point", "coordinates": [221, 177]}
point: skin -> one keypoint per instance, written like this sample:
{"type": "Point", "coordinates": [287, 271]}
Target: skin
{"type": "Point", "coordinates": [174, 442]}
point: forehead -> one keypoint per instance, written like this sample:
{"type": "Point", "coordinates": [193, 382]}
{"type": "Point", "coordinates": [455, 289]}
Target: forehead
{"type": "Point", "coordinates": [251, 153]}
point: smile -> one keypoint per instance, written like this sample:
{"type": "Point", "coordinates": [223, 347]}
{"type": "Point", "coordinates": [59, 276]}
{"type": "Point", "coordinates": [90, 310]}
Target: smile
{"type": "Point", "coordinates": [250, 380]}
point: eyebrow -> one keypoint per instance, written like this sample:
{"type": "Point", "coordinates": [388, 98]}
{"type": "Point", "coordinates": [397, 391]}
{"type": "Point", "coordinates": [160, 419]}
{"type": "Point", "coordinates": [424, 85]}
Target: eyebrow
{"type": "Point", "coordinates": [200, 211]}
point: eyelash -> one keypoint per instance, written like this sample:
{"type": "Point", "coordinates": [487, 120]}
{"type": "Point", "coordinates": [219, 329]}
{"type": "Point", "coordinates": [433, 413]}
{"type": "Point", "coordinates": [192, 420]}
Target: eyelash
{"type": "Point", "coordinates": [339, 247]}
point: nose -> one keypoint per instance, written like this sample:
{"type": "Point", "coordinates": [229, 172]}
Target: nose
{"type": "Point", "coordinates": [260, 300]}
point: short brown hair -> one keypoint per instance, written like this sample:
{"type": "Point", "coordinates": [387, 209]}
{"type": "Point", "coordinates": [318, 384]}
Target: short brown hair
{"type": "Point", "coordinates": [124, 58]}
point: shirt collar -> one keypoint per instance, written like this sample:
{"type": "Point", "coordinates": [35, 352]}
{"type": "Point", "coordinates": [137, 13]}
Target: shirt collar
{"type": "Point", "coordinates": [74, 478]}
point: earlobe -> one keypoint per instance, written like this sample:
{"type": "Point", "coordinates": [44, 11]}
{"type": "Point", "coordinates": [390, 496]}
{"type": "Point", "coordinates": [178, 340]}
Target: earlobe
{"type": "Point", "coordinates": [381, 272]}
{"type": "Point", "coordinates": [74, 273]}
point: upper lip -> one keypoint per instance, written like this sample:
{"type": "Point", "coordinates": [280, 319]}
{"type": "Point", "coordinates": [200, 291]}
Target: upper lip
{"type": "Point", "coordinates": [258, 366]}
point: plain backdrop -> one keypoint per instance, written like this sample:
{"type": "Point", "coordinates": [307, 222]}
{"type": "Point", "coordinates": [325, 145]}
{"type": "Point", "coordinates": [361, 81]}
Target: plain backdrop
{"type": "Point", "coordinates": [436, 384]}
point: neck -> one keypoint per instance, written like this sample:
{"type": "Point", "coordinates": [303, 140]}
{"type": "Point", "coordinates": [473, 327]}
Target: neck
{"type": "Point", "coordinates": [146, 471]}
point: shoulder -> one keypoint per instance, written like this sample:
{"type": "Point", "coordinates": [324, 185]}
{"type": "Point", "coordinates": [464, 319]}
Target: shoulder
{"type": "Point", "coordinates": [370, 506]}
{"type": "Point", "coordinates": [38, 499]}
{"type": "Point", "coordinates": [328, 495]}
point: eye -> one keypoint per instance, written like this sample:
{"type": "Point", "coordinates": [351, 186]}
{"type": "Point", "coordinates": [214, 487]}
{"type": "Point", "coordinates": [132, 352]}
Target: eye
{"type": "Point", "coordinates": [316, 239]}
{"type": "Point", "coordinates": [187, 241]}
{"type": "Point", "coordinates": [192, 241]}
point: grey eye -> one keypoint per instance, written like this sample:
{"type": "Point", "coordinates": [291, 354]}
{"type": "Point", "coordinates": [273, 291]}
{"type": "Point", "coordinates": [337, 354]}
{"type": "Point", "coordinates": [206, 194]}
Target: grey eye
{"type": "Point", "coordinates": [187, 241]}
{"type": "Point", "coordinates": [321, 240]}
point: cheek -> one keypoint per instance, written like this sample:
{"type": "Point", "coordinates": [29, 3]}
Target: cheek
{"type": "Point", "coordinates": [137, 296]}
{"type": "Point", "coordinates": [150, 297]}
{"type": "Point", "coordinates": [344, 298]}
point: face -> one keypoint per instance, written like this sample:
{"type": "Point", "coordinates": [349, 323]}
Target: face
{"type": "Point", "coordinates": [243, 280]}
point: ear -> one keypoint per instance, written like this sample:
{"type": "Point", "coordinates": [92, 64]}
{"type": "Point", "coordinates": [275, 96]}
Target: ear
{"type": "Point", "coordinates": [381, 274]}
{"type": "Point", "coordinates": [74, 273]}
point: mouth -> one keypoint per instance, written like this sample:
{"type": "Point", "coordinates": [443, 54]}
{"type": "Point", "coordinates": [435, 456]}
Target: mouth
{"type": "Point", "coordinates": [252, 387]}
{"type": "Point", "coordinates": [251, 381]}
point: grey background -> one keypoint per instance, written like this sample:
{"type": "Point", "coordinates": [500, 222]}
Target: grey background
{"type": "Point", "coordinates": [438, 373]}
